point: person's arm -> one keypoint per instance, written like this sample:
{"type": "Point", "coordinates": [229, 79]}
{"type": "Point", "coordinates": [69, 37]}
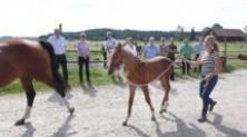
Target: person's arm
{"type": "Point", "coordinates": [218, 65]}
{"type": "Point", "coordinates": [49, 39]}
{"type": "Point", "coordinates": [65, 44]}
{"type": "Point", "coordinates": [195, 63]}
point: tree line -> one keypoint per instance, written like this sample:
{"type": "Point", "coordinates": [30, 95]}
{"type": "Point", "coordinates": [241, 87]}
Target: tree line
{"type": "Point", "coordinates": [100, 34]}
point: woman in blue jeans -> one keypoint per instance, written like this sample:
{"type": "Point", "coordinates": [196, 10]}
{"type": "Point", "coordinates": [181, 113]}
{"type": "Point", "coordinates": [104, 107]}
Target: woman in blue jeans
{"type": "Point", "coordinates": [211, 66]}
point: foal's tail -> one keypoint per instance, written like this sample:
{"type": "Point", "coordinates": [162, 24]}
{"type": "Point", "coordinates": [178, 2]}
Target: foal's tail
{"type": "Point", "coordinates": [60, 83]}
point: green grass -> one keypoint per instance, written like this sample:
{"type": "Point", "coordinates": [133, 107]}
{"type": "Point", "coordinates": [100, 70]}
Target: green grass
{"type": "Point", "coordinates": [99, 75]}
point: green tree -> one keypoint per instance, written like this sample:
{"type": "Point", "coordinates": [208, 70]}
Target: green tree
{"type": "Point", "coordinates": [217, 26]}
{"type": "Point", "coordinates": [192, 34]}
{"type": "Point", "coordinates": [180, 33]}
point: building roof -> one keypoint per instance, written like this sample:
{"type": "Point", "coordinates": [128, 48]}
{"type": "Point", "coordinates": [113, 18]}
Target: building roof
{"type": "Point", "coordinates": [229, 33]}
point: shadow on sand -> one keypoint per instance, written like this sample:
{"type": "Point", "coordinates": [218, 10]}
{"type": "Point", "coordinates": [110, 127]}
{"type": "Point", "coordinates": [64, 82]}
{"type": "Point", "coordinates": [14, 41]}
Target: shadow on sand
{"type": "Point", "coordinates": [29, 130]}
{"type": "Point", "coordinates": [217, 123]}
{"type": "Point", "coordinates": [182, 129]}
{"type": "Point", "coordinates": [91, 91]}
{"type": "Point", "coordinates": [63, 130]}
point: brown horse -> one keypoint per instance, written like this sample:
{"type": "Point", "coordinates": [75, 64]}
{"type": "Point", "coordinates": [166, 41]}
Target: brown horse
{"type": "Point", "coordinates": [140, 73]}
{"type": "Point", "coordinates": [242, 57]}
{"type": "Point", "coordinates": [30, 60]}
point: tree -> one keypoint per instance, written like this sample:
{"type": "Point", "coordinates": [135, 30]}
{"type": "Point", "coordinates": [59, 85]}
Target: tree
{"type": "Point", "coordinates": [192, 34]}
{"type": "Point", "coordinates": [206, 31]}
{"type": "Point", "coordinates": [245, 29]}
{"type": "Point", "coordinates": [180, 33]}
{"type": "Point", "coordinates": [217, 26]}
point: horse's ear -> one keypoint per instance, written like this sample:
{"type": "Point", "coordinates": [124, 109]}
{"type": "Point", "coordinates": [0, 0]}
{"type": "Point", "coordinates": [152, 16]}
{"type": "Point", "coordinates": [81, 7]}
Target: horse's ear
{"type": "Point", "coordinates": [119, 46]}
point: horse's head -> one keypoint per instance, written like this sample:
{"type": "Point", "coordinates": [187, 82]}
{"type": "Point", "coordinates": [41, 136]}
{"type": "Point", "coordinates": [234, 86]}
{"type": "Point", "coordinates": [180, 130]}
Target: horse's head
{"type": "Point", "coordinates": [116, 60]}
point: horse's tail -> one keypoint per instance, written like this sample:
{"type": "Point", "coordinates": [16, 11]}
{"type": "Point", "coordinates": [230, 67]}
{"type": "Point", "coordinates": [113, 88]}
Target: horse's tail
{"type": "Point", "coordinates": [59, 82]}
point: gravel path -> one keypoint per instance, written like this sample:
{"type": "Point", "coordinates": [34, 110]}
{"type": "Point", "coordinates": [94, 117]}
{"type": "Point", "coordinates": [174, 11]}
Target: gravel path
{"type": "Point", "coordinates": [101, 112]}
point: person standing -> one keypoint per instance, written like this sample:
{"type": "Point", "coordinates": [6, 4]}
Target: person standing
{"type": "Point", "coordinates": [151, 50]}
{"type": "Point", "coordinates": [108, 47]}
{"type": "Point", "coordinates": [211, 66]}
{"type": "Point", "coordinates": [198, 48]}
{"type": "Point", "coordinates": [172, 50]}
{"type": "Point", "coordinates": [163, 47]}
{"type": "Point", "coordinates": [59, 44]}
{"type": "Point", "coordinates": [130, 46]}
{"type": "Point", "coordinates": [83, 51]}
{"type": "Point", "coordinates": [186, 51]}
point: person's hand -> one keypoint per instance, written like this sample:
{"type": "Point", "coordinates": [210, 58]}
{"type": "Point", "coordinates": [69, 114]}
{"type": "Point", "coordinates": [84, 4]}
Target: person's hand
{"type": "Point", "coordinates": [208, 76]}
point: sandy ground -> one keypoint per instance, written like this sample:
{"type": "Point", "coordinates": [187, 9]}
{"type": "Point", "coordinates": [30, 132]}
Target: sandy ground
{"type": "Point", "coordinates": [102, 111]}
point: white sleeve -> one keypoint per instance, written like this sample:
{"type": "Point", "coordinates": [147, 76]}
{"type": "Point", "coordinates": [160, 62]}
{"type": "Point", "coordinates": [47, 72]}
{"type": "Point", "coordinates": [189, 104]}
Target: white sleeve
{"type": "Point", "coordinates": [116, 42]}
{"type": "Point", "coordinates": [65, 42]}
{"type": "Point", "coordinates": [50, 39]}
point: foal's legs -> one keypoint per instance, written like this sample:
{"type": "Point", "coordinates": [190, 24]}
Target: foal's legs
{"type": "Point", "coordinates": [165, 82]}
{"type": "Point", "coordinates": [148, 100]}
{"type": "Point", "coordinates": [132, 90]}
{"type": "Point", "coordinates": [30, 93]}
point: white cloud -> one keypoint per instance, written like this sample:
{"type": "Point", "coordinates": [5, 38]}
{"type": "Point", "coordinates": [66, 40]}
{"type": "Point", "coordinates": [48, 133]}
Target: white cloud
{"type": "Point", "coordinates": [36, 17]}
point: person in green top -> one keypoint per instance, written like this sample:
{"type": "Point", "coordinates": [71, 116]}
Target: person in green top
{"type": "Point", "coordinates": [186, 51]}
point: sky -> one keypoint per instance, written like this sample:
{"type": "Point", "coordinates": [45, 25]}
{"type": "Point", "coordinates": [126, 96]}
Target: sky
{"type": "Point", "coordinates": [37, 17]}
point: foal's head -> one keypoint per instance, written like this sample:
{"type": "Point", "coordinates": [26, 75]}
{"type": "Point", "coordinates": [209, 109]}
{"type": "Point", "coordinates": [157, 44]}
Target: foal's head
{"type": "Point", "coordinates": [116, 60]}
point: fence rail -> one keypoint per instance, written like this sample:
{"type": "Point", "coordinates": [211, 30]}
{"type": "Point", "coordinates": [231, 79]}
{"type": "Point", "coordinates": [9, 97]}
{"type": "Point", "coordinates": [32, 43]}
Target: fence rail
{"type": "Point", "coordinates": [230, 55]}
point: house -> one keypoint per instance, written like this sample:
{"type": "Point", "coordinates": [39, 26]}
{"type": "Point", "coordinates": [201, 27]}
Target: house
{"type": "Point", "coordinates": [230, 35]}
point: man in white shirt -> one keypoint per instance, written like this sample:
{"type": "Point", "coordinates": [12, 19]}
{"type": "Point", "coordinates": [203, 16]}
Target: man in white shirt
{"type": "Point", "coordinates": [130, 46]}
{"type": "Point", "coordinates": [59, 43]}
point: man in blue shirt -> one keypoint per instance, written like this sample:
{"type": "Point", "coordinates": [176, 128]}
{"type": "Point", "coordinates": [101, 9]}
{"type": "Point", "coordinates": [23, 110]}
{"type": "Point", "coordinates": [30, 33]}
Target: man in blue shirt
{"type": "Point", "coordinates": [198, 48]}
{"type": "Point", "coordinates": [151, 50]}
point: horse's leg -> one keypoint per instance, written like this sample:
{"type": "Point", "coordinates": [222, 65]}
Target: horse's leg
{"type": "Point", "coordinates": [132, 90]}
{"type": "Point", "coordinates": [60, 87]}
{"type": "Point", "coordinates": [30, 94]}
{"type": "Point", "coordinates": [148, 100]}
{"type": "Point", "coordinates": [165, 82]}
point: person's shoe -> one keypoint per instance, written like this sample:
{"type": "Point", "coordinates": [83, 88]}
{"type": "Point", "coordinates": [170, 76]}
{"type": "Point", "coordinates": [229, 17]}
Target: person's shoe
{"type": "Point", "coordinates": [211, 106]}
{"type": "Point", "coordinates": [202, 119]}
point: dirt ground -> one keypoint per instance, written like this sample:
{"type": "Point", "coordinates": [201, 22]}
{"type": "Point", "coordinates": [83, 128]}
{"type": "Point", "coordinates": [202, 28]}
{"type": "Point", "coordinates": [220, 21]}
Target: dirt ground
{"type": "Point", "coordinates": [100, 112]}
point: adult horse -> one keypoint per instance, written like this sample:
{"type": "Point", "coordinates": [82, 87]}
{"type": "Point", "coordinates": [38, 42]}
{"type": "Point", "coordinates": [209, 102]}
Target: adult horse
{"type": "Point", "coordinates": [29, 60]}
{"type": "Point", "coordinates": [140, 73]}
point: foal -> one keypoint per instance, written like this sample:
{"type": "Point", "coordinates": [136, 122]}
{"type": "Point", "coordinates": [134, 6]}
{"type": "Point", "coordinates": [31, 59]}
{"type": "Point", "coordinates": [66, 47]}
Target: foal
{"type": "Point", "coordinates": [29, 60]}
{"type": "Point", "coordinates": [140, 73]}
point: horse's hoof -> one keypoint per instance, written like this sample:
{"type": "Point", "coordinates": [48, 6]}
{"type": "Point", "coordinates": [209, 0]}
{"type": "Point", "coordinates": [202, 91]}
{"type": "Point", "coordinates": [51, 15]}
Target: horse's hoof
{"type": "Point", "coordinates": [71, 111]}
{"type": "Point", "coordinates": [153, 119]}
{"type": "Point", "coordinates": [162, 111]}
{"type": "Point", "coordinates": [124, 123]}
{"type": "Point", "coordinates": [20, 122]}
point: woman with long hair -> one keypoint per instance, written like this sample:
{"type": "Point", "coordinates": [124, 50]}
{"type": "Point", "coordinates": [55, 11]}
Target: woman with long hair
{"type": "Point", "coordinates": [211, 66]}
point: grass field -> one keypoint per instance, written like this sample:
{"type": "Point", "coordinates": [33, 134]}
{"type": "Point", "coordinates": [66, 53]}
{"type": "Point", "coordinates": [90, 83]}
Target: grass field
{"type": "Point", "coordinates": [99, 75]}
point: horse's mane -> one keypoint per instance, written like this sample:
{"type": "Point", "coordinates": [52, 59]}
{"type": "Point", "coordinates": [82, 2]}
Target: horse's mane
{"type": "Point", "coordinates": [131, 55]}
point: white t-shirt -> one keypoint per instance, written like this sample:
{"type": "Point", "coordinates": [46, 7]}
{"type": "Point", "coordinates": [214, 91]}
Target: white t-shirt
{"type": "Point", "coordinates": [131, 49]}
{"type": "Point", "coordinates": [58, 44]}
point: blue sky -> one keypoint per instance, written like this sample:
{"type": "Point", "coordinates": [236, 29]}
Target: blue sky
{"type": "Point", "coordinates": [36, 17]}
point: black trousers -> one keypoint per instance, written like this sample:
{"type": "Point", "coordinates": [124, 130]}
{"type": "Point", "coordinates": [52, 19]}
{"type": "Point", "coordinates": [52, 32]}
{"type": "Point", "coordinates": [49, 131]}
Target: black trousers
{"type": "Point", "coordinates": [84, 62]}
{"type": "Point", "coordinates": [186, 67]}
{"type": "Point", "coordinates": [105, 59]}
{"type": "Point", "coordinates": [62, 61]}
{"type": "Point", "coordinates": [172, 76]}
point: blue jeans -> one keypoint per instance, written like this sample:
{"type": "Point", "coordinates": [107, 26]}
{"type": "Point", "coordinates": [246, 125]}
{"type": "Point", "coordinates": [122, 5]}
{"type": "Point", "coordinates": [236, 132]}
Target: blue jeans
{"type": "Point", "coordinates": [205, 91]}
